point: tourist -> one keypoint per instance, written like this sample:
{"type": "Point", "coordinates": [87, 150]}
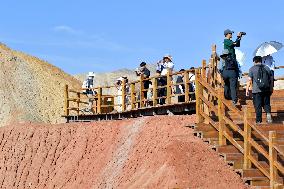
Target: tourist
{"type": "Point", "coordinates": [180, 89]}
{"type": "Point", "coordinates": [260, 78]}
{"type": "Point", "coordinates": [229, 70]}
{"type": "Point", "coordinates": [191, 76]}
{"type": "Point", "coordinates": [161, 91]}
{"type": "Point", "coordinates": [229, 44]}
{"type": "Point", "coordinates": [145, 73]}
{"type": "Point", "coordinates": [269, 62]}
{"type": "Point", "coordinates": [119, 87]}
{"type": "Point", "coordinates": [88, 84]}
{"type": "Point", "coordinates": [165, 65]}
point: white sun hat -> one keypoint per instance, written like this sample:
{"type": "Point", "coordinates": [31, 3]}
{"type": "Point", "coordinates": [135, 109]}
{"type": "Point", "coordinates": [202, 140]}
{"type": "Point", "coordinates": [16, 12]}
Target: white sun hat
{"type": "Point", "coordinates": [91, 74]}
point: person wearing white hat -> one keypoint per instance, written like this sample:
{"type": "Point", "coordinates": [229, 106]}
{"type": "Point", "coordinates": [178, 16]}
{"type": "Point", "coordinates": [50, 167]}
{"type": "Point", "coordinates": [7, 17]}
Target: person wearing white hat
{"type": "Point", "coordinates": [165, 64]}
{"type": "Point", "coordinates": [88, 84]}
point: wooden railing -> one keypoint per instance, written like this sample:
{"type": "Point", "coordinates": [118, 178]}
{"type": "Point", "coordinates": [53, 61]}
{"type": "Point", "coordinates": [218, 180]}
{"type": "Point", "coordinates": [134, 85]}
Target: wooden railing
{"type": "Point", "coordinates": [210, 101]}
{"type": "Point", "coordinates": [131, 95]}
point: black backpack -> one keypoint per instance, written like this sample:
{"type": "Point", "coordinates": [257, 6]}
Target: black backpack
{"type": "Point", "coordinates": [263, 79]}
{"type": "Point", "coordinates": [231, 63]}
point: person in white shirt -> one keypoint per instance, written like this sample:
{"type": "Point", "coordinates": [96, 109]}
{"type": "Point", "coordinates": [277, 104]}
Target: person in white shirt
{"type": "Point", "coordinates": [118, 85]}
{"type": "Point", "coordinates": [269, 61]}
{"type": "Point", "coordinates": [165, 64]}
{"type": "Point", "coordinates": [191, 76]}
{"type": "Point", "coordinates": [88, 85]}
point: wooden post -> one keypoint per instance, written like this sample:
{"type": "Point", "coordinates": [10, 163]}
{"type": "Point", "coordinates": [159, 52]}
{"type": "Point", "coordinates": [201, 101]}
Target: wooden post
{"type": "Point", "coordinates": [132, 96]}
{"type": "Point", "coordinates": [99, 101]}
{"type": "Point", "coordinates": [155, 92]}
{"type": "Point", "coordinates": [203, 92]}
{"type": "Point", "coordinates": [247, 138]}
{"type": "Point", "coordinates": [169, 87]}
{"type": "Point", "coordinates": [272, 158]}
{"type": "Point", "coordinates": [214, 47]}
{"type": "Point", "coordinates": [186, 86]}
{"type": "Point", "coordinates": [66, 104]}
{"type": "Point", "coordinates": [214, 63]}
{"type": "Point", "coordinates": [221, 112]}
{"type": "Point", "coordinates": [213, 79]}
{"type": "Point", "coordinates": [123, 93]}
{"type": "Point", "coordinates": [203, 70]}
{"type": "Point", "coordinates": [198, 90]}
{"type": "Point", "coordinates": [141, 91]}
{"type": "Point", "coordinates": [78, 103]}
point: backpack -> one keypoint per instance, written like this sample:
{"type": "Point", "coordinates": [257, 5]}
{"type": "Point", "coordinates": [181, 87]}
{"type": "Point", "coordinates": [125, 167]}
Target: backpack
{"type": "Point", "coordinates": [231, 63]}
{"type": "Point", "coordinates": [263, 79]}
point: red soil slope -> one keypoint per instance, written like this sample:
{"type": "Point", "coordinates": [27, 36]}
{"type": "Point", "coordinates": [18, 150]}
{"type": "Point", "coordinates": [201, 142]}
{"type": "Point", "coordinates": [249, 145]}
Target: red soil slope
{"type": "Point", "coordinates": [149, 152]}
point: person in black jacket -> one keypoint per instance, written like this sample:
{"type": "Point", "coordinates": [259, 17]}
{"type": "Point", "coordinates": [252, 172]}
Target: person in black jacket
{"type": "Point", "coordinates": [161, 92]}
{"type": "Point", "coordinates": [230, 72]}
{"type": "Point", "coordinates": [180, 88]}
{"type": "Point", "coordinates": [145, 72]}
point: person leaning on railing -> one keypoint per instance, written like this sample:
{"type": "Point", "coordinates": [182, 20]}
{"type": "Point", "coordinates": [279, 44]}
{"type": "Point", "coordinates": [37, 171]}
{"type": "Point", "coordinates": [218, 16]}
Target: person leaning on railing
{"type": "Point", "coordinates": [180, 89]}
{"type": "Point", "coordinates": [118, 85]}
{"type": "Point", "coordinates": [166, 65]}
{"type": "Point", "coordinates": [191, 76]}
{"type": "Point", "coordinates": [87, 85]}
{"type": "Point", "coordinates": [161, 92]}
{"type": "Point", "coordinates": [145, 72]}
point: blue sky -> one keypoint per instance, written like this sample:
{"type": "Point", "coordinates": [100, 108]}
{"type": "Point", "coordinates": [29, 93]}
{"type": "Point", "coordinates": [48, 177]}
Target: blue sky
{"type": "Point", "coordinates": [91, 35]}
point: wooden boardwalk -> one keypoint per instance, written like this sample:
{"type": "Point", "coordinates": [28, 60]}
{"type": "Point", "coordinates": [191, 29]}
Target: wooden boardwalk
{"type": "Point", "coordinates": [256, 152]}
{"type": "Point", "coordinates": [126, 101]}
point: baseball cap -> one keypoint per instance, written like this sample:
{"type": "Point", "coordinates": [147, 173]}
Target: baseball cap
{"type": "Point", "coordinates": [228, 31]}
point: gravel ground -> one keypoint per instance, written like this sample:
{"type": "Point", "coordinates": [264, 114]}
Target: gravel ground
{"type": "Point", "coordinates": [147, 152]}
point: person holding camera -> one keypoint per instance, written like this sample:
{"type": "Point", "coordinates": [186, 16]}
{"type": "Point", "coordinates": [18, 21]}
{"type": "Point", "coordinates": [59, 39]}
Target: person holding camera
{"type": "Point", "coordinates": [145, 73]}
{"type": "Point", "coordinates": [165, 64]}
{"type": "Point", "coordinates": [229, 44]}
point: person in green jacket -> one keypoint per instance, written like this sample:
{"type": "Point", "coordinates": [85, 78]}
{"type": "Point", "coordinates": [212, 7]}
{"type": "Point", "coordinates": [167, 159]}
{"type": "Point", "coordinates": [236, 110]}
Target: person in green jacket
{"type": "Point", "coordinates": [229, 44]}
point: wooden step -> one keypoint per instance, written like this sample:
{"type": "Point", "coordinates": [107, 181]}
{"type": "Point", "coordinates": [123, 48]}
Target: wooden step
{"type": "Point", "coordinates": [250, 174]}
{"type": "Point", "coordinates": [272, 127]}
{"type": "Point", "coordinates": [227, 149]}
{"type": "Point", "coordinates": [204, 127]}
{"type": "Point", "coordinates": [264, 181]}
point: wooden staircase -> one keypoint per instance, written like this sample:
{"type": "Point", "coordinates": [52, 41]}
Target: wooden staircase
{"type": "Point", "coordinates": [256, 152]}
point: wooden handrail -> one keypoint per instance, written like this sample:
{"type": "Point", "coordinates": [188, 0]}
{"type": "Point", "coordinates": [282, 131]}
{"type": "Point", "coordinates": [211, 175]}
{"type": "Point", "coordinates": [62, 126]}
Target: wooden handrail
{"type": "Point", "coordinates": [249, 143]}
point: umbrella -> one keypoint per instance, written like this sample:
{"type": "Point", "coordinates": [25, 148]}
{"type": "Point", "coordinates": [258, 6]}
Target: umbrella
{"type": "Point", "coordinates": [267, 48]}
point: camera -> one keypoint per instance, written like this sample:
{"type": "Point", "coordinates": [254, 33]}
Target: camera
{"type": "Point", "coordinates": [118, 82]}
{"type": "Point", "coordinates": [138, 71]}
{"type": "Point", "coordinates": [243, 33]}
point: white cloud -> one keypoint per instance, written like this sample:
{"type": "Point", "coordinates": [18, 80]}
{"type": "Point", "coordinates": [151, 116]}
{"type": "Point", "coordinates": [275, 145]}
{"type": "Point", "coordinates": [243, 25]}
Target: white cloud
{"type": "Point", "coordinates": [66, 29]}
